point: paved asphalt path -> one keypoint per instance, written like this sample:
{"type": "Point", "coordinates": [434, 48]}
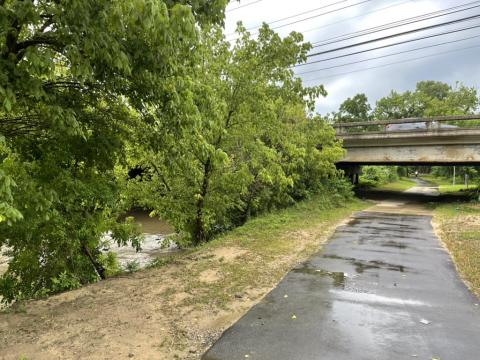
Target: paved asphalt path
{"type": "Point", "coordinates": [383, 288]}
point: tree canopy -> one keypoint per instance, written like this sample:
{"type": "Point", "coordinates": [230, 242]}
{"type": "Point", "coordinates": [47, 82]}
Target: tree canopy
{"type": "Point", "coordinates": [92, 89]}
{"type": "Point", "coordinates": [245, 145]}
{"type": "Point", "coordinates": [72, 74]}
{"type": "Point", "coordinates": [430, 98]}
{"type": "Point", "coordinates": [354, 109]}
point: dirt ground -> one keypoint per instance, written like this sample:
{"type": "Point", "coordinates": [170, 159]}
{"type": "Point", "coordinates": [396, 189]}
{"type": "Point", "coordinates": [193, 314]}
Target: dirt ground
{"type": "Point", "coordinates": [172, 312]}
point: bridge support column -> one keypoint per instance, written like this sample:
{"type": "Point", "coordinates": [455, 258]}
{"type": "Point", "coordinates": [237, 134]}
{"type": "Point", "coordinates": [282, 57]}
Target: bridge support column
{"type": "Point", "coordinates": [352, 171]}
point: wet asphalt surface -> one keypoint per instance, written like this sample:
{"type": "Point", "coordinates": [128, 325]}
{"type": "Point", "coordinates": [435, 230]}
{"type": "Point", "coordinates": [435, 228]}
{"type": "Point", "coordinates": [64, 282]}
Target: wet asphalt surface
{"type": "Point", "coordinates": [383, 288]}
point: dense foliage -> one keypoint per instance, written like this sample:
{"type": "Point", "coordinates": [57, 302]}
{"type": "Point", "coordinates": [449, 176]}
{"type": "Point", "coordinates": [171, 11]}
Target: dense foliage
{"type": "Point", "coordinates": [354, 109]}
{"type": "Point", "coordinates": [378, 175]}
{"type": "Point", "coordinates": [430, 98]}
{"type": "Point", "coordinates": [90, 90]}
{"type": "Point", "coordinates": [71, 75]}
{"type": "Point", "coordinates": [244, 145]}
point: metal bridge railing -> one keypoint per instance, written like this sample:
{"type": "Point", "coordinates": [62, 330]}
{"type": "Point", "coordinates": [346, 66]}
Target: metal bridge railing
{"type": "Point", "coordinates": [415, 125]}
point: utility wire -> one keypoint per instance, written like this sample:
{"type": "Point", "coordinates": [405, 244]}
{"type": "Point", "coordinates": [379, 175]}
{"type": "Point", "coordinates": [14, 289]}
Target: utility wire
{"type": "Point", "coordinates": [395, 35]}
{"type": "Point", "coordinates": [389, 45]}
{"type": "Point", "coordinates": [318, 15]}
{"type": "Point", "coordinates": [357, 16]}
{"type": "Point", "coordinates": [399, 23]}
{"type": "Point", "coordinates": [394, 63]}
{"type": "Point", "coordinates": [387, 55]}
{"type": "Point", "coordinates": [243, 6]}
{"type": "Point", "coordinates": [294, 16]}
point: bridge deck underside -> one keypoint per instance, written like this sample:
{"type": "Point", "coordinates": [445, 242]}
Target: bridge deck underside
{"type": "Point", "coordinates": [456, 148]}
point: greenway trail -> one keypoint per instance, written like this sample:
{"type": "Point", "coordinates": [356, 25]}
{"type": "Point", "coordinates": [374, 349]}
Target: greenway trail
{"type": "Point", "coordinates": [383, 288]}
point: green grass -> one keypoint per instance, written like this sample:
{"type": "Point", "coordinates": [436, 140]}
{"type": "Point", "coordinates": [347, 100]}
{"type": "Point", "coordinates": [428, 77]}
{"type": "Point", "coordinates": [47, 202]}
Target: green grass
{"type": "Point", "coordinates": [401, 184]}
{"type": "Point", "coordinates": [459, 224]}
{"type": "Point", "coordinates": [452, 189]}
{"type": "Point", "coordinates": [445, 186]}
{"type": "Point", "coordinates": [269, 246]}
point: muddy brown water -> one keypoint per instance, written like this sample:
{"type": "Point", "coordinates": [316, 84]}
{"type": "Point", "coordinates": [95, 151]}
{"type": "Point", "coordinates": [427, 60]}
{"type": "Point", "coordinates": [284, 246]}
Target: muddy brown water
{"type": "Point", "coordinates": [155, 243]}
{"type": "Point", "coordinates": [150, 225]}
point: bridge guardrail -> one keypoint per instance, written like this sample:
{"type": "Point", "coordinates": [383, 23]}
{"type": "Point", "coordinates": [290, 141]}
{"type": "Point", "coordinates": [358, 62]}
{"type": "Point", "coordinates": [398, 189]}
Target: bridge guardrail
{"type": "Point", "coordinates": [380, 126]}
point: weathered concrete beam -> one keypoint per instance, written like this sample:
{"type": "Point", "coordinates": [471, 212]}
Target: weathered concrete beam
{"type": "Point", "coordinates": [439, 137]}
{"type": "Point", "coordinates": [414, 154]}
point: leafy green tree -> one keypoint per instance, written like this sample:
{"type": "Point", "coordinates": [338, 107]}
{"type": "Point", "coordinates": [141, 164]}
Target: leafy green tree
{"type": "Point", "coordinates": [398, 106]}
{"type": "Point", "coordinates": [244, 143]}
{"type": "Point", "coordinates": [378, 175]}
{"type": "Point", "coordinates": [431, 98]}
{"type": "Point", "coordinates": [73, 75]}
{"type": "Point", "coordinates": [434, 89]}
{"type": "Point", "coordinates": [354, 109]}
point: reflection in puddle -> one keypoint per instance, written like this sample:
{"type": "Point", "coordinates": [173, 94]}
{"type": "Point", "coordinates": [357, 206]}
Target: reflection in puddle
{"type": "Point", "coordinates": [374, 299]}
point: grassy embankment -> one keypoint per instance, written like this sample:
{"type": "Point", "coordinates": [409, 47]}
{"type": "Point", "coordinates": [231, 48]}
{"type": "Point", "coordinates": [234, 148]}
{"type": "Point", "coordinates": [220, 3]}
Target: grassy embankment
{"type": "Point", "coordinates": [445, 186]}
{"type": "Point", "coordinates": [459, 229]}
{"type": "Point", "coordinates": [178, 308]}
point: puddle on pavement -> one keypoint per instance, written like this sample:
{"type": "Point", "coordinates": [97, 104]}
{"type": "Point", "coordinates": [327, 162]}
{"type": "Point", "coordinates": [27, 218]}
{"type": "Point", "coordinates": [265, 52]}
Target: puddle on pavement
{"type": "Point", "coordinates": [337, 277]}
{"type": "Point", "coordinates": [361, 265]}
{"type": "Point", "coordinates": [375, 298]}
{"type": "Point", "coordinates": [394, 224]}
{"type": "Point", "coordinates": [394, 244]}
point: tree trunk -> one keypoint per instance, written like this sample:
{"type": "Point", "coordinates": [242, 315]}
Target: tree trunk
{"type": "Point", "coordinates": [98, 267]}
{"type": "Point", "coordinates": [199, 234]}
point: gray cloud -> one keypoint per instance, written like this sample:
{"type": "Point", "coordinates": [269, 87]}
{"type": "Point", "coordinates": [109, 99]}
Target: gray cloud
{"type": "Point", "coordinates": [460, 66]}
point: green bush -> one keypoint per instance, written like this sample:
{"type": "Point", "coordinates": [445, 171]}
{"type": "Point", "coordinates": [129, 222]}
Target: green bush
{"type": "Point", "coordinates": [378, 175]}
{"type": "Point", "coordinates": [65, 281]}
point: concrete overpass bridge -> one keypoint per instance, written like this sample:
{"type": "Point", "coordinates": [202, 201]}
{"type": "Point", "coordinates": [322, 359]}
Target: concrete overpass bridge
{"type": "Point", "coordinates": [445, 140]}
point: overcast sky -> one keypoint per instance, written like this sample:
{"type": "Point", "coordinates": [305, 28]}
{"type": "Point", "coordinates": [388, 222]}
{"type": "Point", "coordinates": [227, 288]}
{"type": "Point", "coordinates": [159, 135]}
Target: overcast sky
{"type": "Point", "coordinates": [459, 61]}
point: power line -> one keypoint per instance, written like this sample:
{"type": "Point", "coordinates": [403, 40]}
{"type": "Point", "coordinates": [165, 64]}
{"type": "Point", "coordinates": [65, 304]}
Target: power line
{"type": "Point", "coordinates": [325, 13]}
{"type": "Point", "coordinates": [399, 23]}
{"type": "Point", "coordinates": [318, 15]}
{"type": "Point", "coordinates": [394, 35]}
{"type": "Point", "coordinates": [387, 55]}
{"type": "Point", "coordinates": [243, 6]}
{"type": "Point", "coordinates": [394, 63]}
{"type": "Point", "coordinates": [389, 45]}
{"type": "Point", "coordinates": [358, 16]}
{"type": "Point", "coordinates": [294, 16]}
